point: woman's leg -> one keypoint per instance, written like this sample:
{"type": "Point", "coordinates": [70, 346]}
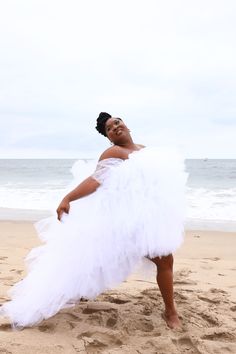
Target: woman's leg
{"type": "Point", "coordinates": [165, 283]}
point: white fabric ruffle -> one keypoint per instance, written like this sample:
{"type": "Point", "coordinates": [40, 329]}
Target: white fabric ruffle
{"type": "Point", "coordinates": [138, 210]}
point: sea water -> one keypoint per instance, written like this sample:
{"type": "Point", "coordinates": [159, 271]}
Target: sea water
{"type": "Point", "coordinates": [32, 188]}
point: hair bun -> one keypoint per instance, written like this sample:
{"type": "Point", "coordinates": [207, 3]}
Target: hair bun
{"type": "Point", "coordinates": [101, 121]}
{"type": "Point", "coordinates": [104, 115]}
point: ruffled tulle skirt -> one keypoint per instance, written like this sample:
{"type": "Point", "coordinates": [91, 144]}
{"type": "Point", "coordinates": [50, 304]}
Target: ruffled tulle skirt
{"type": "Point", "coordinates": [137, 211]}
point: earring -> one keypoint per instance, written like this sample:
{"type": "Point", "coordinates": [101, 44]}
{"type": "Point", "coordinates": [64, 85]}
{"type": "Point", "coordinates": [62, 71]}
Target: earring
{"type": "Point", "coordinates": [111, 143]}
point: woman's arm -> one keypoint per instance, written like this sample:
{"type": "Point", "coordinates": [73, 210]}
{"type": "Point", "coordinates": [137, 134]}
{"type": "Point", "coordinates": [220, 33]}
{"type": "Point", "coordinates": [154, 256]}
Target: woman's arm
{"type": "Point", "coordinates": [88, 186]}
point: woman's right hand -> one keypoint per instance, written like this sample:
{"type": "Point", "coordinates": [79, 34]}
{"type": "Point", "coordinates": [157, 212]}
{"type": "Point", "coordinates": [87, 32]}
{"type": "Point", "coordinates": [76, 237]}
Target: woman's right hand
{"type": "Point", "coordinates": [63, 207]}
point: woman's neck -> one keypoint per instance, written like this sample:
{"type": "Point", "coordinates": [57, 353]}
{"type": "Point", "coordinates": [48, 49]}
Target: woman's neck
{"type": "Point", "coordinates": [128, 144]}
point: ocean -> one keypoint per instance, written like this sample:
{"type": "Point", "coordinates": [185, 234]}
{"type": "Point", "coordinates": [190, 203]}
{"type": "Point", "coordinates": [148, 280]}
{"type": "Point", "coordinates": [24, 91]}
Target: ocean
{"type": "Point", "coordinates": [32, 188]}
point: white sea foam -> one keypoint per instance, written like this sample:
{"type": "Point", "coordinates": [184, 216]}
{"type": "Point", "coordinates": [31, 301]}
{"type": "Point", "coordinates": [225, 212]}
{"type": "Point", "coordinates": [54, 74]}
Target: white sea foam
{"type": "Point", "coordinates": [202, 203]}
{"type": "Point", "coordinates": [29, 186]}
{"type": "Point", "coordinates": [211, 209]}
{"type": "Point", "coordinates": [208, 204]}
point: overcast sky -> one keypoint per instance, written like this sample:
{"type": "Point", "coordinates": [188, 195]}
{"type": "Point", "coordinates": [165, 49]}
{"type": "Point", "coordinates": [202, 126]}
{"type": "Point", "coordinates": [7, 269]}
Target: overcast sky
{"type": "Point", "coordinates": [167, 67]}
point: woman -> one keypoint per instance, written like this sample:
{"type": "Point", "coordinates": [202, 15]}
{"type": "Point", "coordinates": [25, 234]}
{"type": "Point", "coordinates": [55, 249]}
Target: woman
{"type": "Point", "coordinates": [131, 207]}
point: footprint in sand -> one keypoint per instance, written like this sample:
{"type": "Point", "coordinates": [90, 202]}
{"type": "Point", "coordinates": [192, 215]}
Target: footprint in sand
{"type": "Point", "coordinates": [5, 327]}
{"type": "Point", "coordinates": [210, 319]}
{"type": "Point", "coordinates": [209, 300]}
{"type": "Point", "coordinates": [112, 320]}
{"type": "Point", "coordinates": [46, 327]}
{"type": "Point", "coordinates": [151, 293]}
{"type": "Point", "coordinates": [94, 340]}
{"type": "Point", "coordinates": [217, 291]}
{"type": "Point", "coordinates": [186, 345]}
{"type": "Point", "coordinates": [120, 300]}
{"type": "Point", "coordinates": [145, 325]}
{"type": "Point", "coordinates": [180, 298]}
{"type": "Point", "coordinates": [101, 313]}
{"type": "Point", "coordinates": [180, 277]}
{"type": "Point", "coordinates": [98, 307]}
{"type": "Point", "coordinates": [71, 319]}
{"type": "Point", "coordinates": [220, 335]}
{"type": "Point", "coordinates": [103, 319]}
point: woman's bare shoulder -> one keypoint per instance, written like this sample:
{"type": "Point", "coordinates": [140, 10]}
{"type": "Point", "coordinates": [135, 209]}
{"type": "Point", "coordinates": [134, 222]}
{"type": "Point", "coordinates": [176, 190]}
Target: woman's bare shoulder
{"type": "Point", "coordinates": [113, 152]}
{"type": "Point", "coordinates": [117, 152]}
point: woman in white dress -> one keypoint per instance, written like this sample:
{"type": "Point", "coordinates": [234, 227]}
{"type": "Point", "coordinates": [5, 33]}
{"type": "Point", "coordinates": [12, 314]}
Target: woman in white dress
{"type": "Point", "coordinates": [131, 207]}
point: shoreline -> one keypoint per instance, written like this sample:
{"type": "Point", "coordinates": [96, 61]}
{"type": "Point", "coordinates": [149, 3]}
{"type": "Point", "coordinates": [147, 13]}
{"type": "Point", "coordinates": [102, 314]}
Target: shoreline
{"type": "Point", "coordinates": [127, 319]}
{"type": "Point", "coordinates": [191, 224]}
{"type": "Point", "coordinates": [188, 228]}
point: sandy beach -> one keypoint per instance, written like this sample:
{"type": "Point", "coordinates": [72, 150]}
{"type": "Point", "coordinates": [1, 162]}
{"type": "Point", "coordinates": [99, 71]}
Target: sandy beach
{"type": "Point", "coordinates": [128, 319]}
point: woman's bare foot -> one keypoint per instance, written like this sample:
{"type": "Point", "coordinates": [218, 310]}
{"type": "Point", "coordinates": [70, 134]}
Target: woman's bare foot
{"type": "Point", "coordinates": [172, 319]}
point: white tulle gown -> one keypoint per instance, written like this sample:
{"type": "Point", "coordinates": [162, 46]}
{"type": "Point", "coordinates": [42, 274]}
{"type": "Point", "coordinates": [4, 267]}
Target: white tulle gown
{"type": "Point", "coordinates": [137, 211]}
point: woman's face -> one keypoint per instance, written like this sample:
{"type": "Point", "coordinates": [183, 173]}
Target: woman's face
{"type": "Point", "coordinates": [116, 130]}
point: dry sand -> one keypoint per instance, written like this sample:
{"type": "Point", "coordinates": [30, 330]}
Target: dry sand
{"type": "Point", "coordinates": [128, 319]}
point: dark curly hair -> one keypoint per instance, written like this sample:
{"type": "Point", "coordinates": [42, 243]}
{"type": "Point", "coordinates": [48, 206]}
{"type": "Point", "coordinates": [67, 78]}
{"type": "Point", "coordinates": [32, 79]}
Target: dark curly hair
{"type": "Point", "coordinates": [101, 122]}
